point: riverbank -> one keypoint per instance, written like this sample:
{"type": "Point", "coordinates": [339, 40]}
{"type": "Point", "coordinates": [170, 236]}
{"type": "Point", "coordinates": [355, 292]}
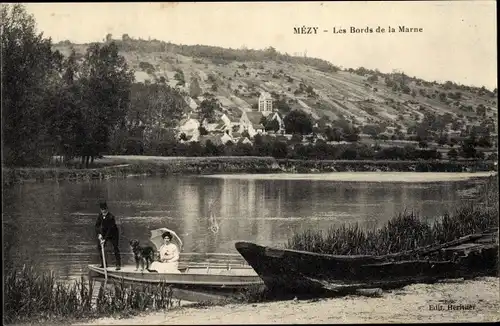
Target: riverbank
{"type": "Point", "coordinates": [30, 285]}
{"type": "Point", "coordinates": [121, 166]}
{"type": "Point", "coordinates": [128, 166]}
{"type": "Point", "coordinates": [465, 301]}
{"type": "Point", "coordinates": [378, 177]}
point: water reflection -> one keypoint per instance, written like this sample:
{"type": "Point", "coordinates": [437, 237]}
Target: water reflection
{"type": "Point", "coordinates": [51, 225]}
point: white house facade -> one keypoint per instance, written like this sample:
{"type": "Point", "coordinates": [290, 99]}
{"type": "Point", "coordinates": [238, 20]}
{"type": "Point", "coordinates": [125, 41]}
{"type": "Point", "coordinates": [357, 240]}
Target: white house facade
{"type": "Point", "coordinates": [230, 122]}
{"type": "Point", "coordinates": [250, 121]}
{"type": "Point", "coordinates": [189, 126]}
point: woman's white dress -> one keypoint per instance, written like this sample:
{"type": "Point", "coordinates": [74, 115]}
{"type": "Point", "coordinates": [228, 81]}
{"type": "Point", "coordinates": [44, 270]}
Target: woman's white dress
{"type": "Point", "coordinates": [169, 259]}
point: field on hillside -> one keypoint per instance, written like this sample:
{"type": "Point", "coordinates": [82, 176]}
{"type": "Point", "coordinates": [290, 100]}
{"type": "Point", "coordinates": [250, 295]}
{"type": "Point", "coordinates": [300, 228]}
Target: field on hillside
{"type": "Point", "coordinates": [325, 95]}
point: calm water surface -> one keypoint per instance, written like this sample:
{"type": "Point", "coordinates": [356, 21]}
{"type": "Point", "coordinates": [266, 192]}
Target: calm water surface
{"type": "Point", "coordinates": [51, 225]}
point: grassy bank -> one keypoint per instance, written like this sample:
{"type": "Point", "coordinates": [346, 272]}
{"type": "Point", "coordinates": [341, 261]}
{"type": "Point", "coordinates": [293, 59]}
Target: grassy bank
{"type": "Point", "coordinates": [125, 166]}
{"type": "Point", "coordinates": [406, 231]}
{"type": "Point", "coordinates": [32, 297]}
{"type": "Point", "coordinates": [304, 166]}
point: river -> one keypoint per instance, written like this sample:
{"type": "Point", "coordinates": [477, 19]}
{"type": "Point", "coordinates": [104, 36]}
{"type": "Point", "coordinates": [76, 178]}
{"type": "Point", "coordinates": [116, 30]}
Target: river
{"type": "Point", "coordinates": [51, 225]}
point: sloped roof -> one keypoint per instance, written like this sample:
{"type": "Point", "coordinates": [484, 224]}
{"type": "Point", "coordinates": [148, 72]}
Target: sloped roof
{"type": "Point", "coordinates": [254, 117]}
{"type": "Point", "coordinates": [272, 115]}
{"type": "Point", "coordinates": [244, 140]}
{"type": "Point", "coordinates": [278, 113]}
{"type": "Point", "coordinates": [225, 138]}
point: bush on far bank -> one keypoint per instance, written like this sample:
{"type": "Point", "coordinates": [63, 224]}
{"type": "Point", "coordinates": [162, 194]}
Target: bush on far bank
{"type": "Point", "coordinates": [269, 146]}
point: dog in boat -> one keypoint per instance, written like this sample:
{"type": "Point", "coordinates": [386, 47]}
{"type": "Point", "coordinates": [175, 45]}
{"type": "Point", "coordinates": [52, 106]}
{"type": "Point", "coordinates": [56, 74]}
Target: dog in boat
{"type": "Point", "coordinates": [143, 256]}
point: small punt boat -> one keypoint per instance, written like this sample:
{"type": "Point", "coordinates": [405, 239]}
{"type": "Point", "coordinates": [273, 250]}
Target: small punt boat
{"type": "Point", "coordinates": [195, 282]}
{"type": "Point", "coordinates": [215, 272]}
{"type": "Point", "coordinates": [299, 272]}
{"type": "Point", "coordinates": [202, 276]}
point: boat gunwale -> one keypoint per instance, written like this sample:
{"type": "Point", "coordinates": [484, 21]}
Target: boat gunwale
{"type": "Point", "coordinates": [129, 276]}
{"type": "Point", "coordinates": [309, 253]}
{"type": "Point", "coordinates": [471, 237]}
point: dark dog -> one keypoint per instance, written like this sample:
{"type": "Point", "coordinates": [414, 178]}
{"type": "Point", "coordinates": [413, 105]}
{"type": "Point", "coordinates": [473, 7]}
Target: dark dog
{"type": "Point", "coordinates": [142, 255]}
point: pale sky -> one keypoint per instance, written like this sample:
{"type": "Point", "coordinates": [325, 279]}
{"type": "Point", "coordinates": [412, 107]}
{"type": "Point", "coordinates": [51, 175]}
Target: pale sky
{"type": "Point", "coordinates": [458, 41]}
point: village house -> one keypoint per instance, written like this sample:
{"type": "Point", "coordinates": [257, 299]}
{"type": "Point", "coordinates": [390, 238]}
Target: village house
{"type": "Point", "coordinates": [211, 126]}
{"type": "Point", "coordinates": [231, 122]}
{"type": "Point", "coordinates": [188, 126]}
{"type": "Point", "coordinates": [251, 122]}
{"type": "Point", "coordinates": [192, 103]}
{"type": "Point", "coordinates": [276, 116]}
{"type": "Point", "coordinates": [265, 102]}
{"type": "Point", "coordinates": [216, 139]}
{"type": "Point", "coordinates": [225, 138]}
{"type": "Point", "coordinates": [244, 140]}
{"type": "Point", "coordinates": [221, 128]}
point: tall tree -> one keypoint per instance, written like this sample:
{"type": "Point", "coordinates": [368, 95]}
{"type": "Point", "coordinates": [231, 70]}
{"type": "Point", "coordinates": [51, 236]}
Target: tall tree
{"type": "Point", "coordinates": [30, 72]}
{"type": "Point", "coordinates": [156, 106]}
{"type": "Point", "coordinates": [68, 121]}
{"type": "Point", "coordinates": [106, 81]}
{"type": "Point", "coordinates": [297, 122]}
{"type": "Point", "coordinates": [208, 107]}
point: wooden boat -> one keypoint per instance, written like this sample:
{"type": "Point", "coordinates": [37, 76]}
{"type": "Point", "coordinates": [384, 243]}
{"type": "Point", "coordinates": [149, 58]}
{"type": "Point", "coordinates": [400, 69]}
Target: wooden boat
{"type": "Point", "coordinates": [203, 276]}
{"type": "Point", "coordinates": [208, 277]}
{"type": "Point", "coordinates": [299, 272]}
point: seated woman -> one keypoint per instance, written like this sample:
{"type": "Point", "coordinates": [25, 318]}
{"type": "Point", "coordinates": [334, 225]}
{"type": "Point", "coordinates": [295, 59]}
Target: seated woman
{"type": "Point", "coordinates": [169, 256]}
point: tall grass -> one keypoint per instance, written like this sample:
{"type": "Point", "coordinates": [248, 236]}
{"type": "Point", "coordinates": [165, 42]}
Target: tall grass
{"type": "Point", "coordinates": [406, 231]}
{"type": "Point", "coordinates": [33, 296]}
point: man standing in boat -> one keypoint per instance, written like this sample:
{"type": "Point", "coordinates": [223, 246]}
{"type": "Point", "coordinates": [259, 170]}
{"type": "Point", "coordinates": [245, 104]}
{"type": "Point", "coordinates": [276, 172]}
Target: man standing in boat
{"type": "Point", "coordinates": [107, 230]}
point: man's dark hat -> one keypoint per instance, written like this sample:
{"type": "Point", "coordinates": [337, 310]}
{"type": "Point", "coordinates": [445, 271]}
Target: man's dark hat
{"type": "Point", "coordinates": [103, 205]}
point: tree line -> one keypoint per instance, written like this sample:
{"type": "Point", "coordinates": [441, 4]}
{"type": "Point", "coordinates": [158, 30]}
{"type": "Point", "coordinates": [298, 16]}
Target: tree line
{"type": "Point", "coordinates": [219, 55]}
{"type": "Point", "coordinates": [55, 105]}
{"type": "Point", "coordinates": [293, 149]}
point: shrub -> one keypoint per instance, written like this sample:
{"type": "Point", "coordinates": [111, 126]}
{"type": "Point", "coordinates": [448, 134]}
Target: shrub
{"type": "Point", "coordinates": [406, 231]}
{"type": "Point", "coordinates": [30, 295]}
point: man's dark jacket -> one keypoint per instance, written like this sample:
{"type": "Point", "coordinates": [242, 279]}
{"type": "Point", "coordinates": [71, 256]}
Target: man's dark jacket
{"type": "Point", "coordinates": [106, 227]}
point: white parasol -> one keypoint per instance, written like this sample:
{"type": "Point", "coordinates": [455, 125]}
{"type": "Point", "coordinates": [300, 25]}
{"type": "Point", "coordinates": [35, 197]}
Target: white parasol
{"type": "Point", "coordinates": [157, 240]}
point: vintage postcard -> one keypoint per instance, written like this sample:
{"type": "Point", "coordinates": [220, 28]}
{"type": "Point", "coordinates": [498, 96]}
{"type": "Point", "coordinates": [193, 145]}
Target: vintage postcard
{"type": "Point", "coordinates": [250, 162]}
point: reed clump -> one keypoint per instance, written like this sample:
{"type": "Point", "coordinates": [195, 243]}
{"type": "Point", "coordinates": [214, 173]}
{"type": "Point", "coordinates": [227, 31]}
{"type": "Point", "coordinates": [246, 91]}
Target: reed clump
{"type": "Point", "coordinates": [406, 231]}
{"type": "Point", "coordinates": [39, 297]}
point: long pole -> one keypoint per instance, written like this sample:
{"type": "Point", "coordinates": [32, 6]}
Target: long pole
{"type": "Point", "coordinates": [104, 261]}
